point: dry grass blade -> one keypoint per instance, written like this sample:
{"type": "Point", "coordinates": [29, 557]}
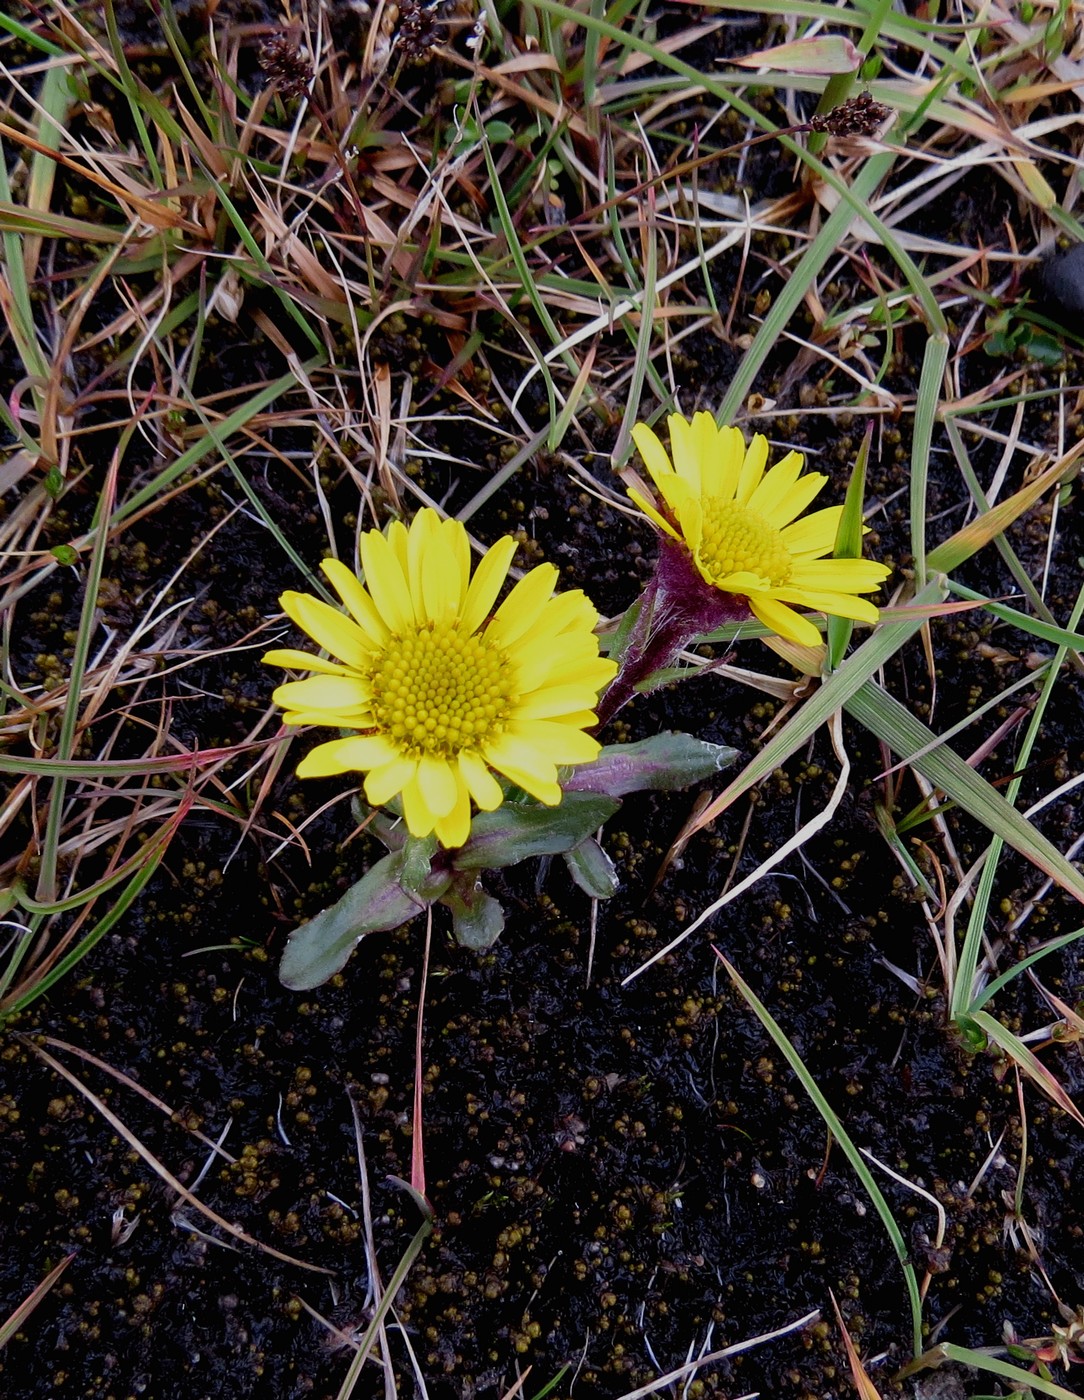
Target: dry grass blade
{"type": "Point", "coordinates": [151, 212]}
{"type": "Point", "coordinates": [129, 1083]}
{"type": "Point", "coordinates": [163, 1172]}
{"type": "Point", "coordinates": [690, 1368]}
{"type": "Point", "coordinates": [862, 1383]}
{"type": "Point", "coordinates": [18, 1318]}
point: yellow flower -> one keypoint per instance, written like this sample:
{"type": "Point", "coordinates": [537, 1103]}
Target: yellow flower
{"type": "Point", "coordinates": [442, 689]}
{"type": "Point", "coordinates": [740, 525]}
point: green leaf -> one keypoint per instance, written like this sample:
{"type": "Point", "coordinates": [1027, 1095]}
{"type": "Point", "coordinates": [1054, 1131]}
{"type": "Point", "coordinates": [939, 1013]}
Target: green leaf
{"type": "Point", "coordinates": [513, 833]}
{"type": "Point", "coordinates": [833, 53]}
{"type": "Point", "coordinates": [592, 869]}
{"type": "Point", "coordinates": [1045, 349]}
{"type": "Point", "coordinates": [663, 763]}
{"type": "Point", "coordinates": [417, 871]}
{"type": "Point", "coordinates": [477, 918]}
{"type": "Point", "coordinates": [377, 902]}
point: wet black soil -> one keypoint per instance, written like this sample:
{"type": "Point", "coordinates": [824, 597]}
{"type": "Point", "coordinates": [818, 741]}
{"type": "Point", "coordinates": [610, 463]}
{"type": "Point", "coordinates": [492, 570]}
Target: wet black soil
{"type": "Point", "coordinates": [620, 1176]}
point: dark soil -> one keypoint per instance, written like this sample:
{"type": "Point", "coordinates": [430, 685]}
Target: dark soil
{"type": "Point", "coordinates": [621, 1177]}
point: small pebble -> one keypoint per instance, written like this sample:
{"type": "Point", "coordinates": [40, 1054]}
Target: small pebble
{"type": "Point", "coordinates": [1061, 279]}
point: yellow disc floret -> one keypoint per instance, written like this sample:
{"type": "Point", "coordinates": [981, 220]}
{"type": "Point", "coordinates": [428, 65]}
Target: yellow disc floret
{"type": "Point", "coordinates": [436, 691]}
{"type": "Point", "coordinates": [737, 540]}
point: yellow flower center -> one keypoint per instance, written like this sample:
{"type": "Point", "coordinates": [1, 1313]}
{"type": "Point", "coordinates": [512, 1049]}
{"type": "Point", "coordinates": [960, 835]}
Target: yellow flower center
{"type": "Point", "coordinates": [436, 691]}
{"type": "Point", "coordinates": [736, 540]}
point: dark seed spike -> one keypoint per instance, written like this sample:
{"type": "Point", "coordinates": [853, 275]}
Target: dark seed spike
{"type": "Point", "coordinates": [419, 29]}
{"type": "Point", "coordinates": [282, 59]}
{"type": "Point", "coordinates": [858, 116]}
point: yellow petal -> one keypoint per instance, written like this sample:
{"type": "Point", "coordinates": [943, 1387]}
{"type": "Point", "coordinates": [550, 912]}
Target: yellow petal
{"type": "Point", "coordinates": [438, 783]}
{"type": "Point", "coordinates": [752, 468]}
{"type": "Point", "coordinates": [420, 540]}
{"type": "Point", "coordinates": [487, 582]}
{"type": "Point", "coordinates": [304, 661]}
{"type": "Point", "coordinates": [441, 581]}
{"type": "Point", "coordinates": [454, 828]}
{"type": "Point", "coordinates": [568, 613]}
{"type": "Point", "coordinates": [346, 755]}
{"type": "Point", "coordinates": [554, 742]}
{"type": "Point", "coordinates": [482, 785]}
{"type": "Point", "coordinates": [387, 581]}
{"type": "Point", "coordinates": [783, 620]}
{"type": "Point", "coordinates": [652, 514]}
{"type": "Point", "coordinates": [578, 664]}
{"type": "Point", "coordinates": [683, 450]}
{"type": "Point", "coordinates": [520, 610]}
{"type": "Point", "coordinates": [398, 539]}
{"type": "Point", "coordinates": [323, 693]}
{"type": "Point", "coordinates": [419, 818]}
{"type": "Point", "coordinates": [547, 790]}
{"type": "Point", "coordinates": [387, 781]}
{"type": "Point", "coordinates": [691, 519]}
{"type": "Point", "coordinates": [455, 535]}
{"type": "Point", "coordinates": [351, 590]}
{"type": "Point", "coordinates": [730, 456]}
{"type": "Point", "coordinates": [839, 575]}
{"type": "Point", "coordinates": [578, 719]}
{"type": "Point", "coordinates": [579, 617]}
{"type": "Point", "coordinates": [788, 507]}
{"type": "Point", "coordinates": [329, 628]}
{"type": "Point", "coordinates": [654, 454]}
{"type": "Point", "coordinates": [838, 604]}
{"type": "Point", "coordinates": [516, 759]}
{"type": "Point", "coordinates": [361, 717]}
{"type": "Point", "coordinates": [556, 701]}
{"type": "Point", "coordinates": [776, 486]}
{"type": "Point", "coordinates": [814, 534]}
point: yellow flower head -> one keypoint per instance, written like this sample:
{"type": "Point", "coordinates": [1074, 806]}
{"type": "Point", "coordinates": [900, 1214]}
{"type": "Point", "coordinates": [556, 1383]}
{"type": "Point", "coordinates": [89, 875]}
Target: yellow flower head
{"type": "Point", "coordinates": [442, 689]}
{"type": "Point", "coordinates": [740, 525]}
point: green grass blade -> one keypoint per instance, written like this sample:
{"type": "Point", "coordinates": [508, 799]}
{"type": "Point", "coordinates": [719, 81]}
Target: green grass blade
{"type": "Point", "coordinates": [398, 1278]}
{"type": "Point", "coordinates": [835, 692]}
{"type": "Point", "coordinates": [839, 1132]}
{"type": "Point", "coordinates": [1027, 1061]}
{"type": "Point", "coordinates": [622, 447]}
{"type": "Point", "coordinates": [964, 987]}
{"type": "Point", "coordinates": [81, 651]}
{"type": "Point", "coordinates": [30, 37]}
{"type": "Point", "coordinates": [124, 902]}
{"type": "Point", "coordinates": [887, 719]}
{"type": "Point", "coordinates": [17, 1320]}
{"type": "Point", "coordinates": [838, 630]}
{"type": "Point", "coordinates": [997, 985]}
{"type": "Point", "coordinates": [1026, 1380]}
{"type": "Point", "coordinates": [934, 360]}
{"type": "Point", "coordinates": [231, 424]}
{"type": "Point", "coordinates": [995, 520]}
{"type": "Point", "coordinates": [1045, 631]}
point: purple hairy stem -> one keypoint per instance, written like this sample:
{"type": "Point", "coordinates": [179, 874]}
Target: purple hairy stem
{"type": "Point", "coordinates": [676, 607]}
